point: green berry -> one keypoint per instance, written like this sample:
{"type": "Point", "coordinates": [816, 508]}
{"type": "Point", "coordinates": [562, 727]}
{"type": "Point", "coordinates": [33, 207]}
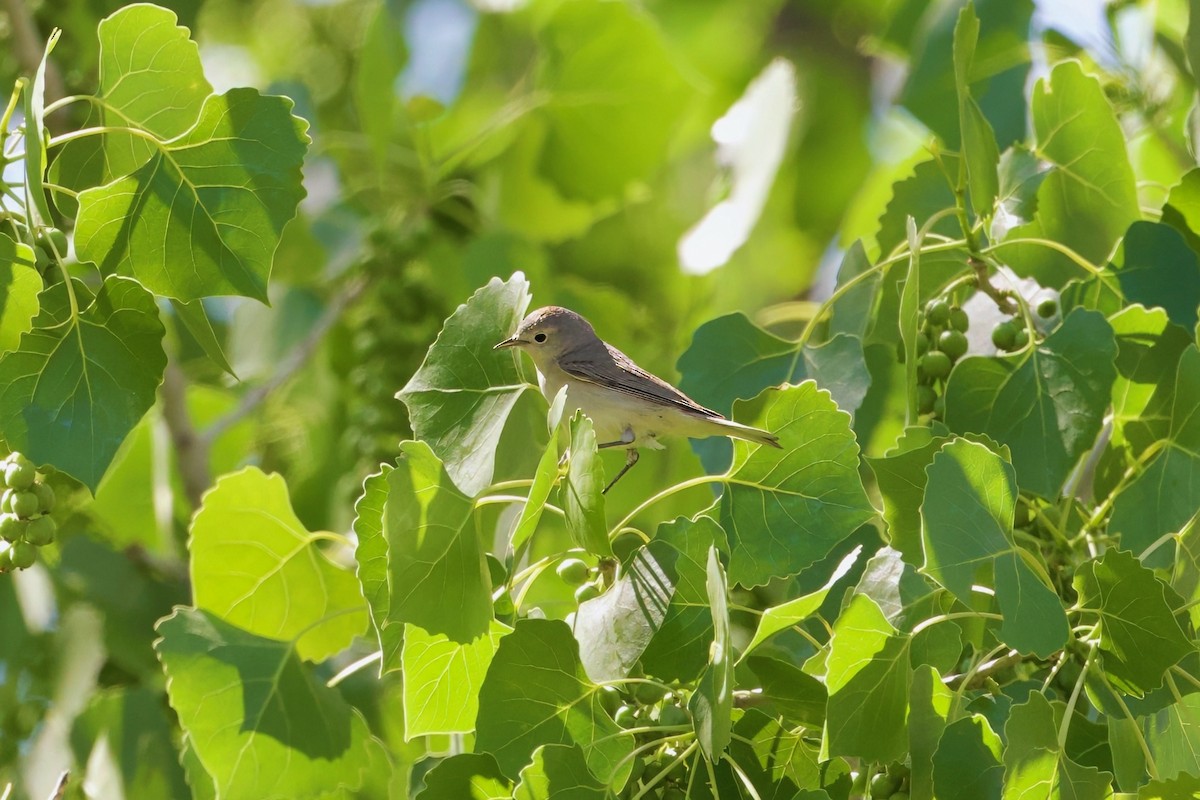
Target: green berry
{"type": "Point", "coordinates": [40, 531]}
{"type": "Point", "coordinates": [1020, 339]}
{"type": "Point", "coordinates": [6, 501]}
{"type": "Point", "coordinates": [1021, 516]}
{"type": "Point", "coordinates": [1004, 335]}
{"type": "Point", "coordinates": [926, 398]}
{"type": "Point", "coordinates": [45, 496]}
{"type": "Point", "coordinates": [503, 604]}
{"type": "Point", "coordinates": [939, 407]}
{"type": "Point", "coordinates": [51, 240]}
{"type": "Point", "coordinates": [625, 545]}
{"type": "Point", "coordinates": [5, 559]}
{"type": "Point", "coordinates": [883, 785]}
{"type": "Point", "coordinates": [1047, 308]}
{"type": "Point", "coordinates": [625, 716]}
{"type": "Point", "coordinates": [11, 528]}
{"type": "Point", "coordinates": [953, 343]}
{"type": "Point", "coordinates": [25, 504]}
{"type": "Point", "coordinates": [610, 699]}
{"type": "Point", "coordinates": [936, 364]}
{"type": "Point", "coordinates": [23, 555]}
{"type": "Point", "coordinates": [959, 320]}
{"type": "Point", "coordinates": [673, 715]}
{"type": "Point", "coordinates": [588, 591]}
{"type": "Point", "coordinates": [19, 476]}
{"type": "Point", "coordinates": [41, 258]}
{"type": "Point", "coordinates": [572, 571]}
{"type": "Point", "coordinates": [898, 770]}
{"type": "Point", "coordinates": [937, 312]}
{"type": "Point", "coordinates": [922, 343]}
{"type": "Point", "coordinates": [648, 693]}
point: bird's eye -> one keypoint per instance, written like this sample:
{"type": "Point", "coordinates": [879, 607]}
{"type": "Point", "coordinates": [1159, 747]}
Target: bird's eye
{"type": "Point", "coordinates": [539, 338]}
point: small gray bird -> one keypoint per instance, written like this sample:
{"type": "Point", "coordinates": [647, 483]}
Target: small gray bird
{"type": "Point", "coordinates": [628, 406]}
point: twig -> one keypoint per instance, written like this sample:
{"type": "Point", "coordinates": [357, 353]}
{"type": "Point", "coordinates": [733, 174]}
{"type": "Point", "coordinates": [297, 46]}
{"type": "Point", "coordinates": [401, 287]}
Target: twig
{"type": "Point", "coordinates": [985, 670]}
{"type": "Point", "coordinates": [190, 448]}
{"type": "Point", "coordinates": [1002, 298]}
{"type": "Point", "coordinates": [29, 46]}
{"type": "Point", "coordinates": [290, 365]}
{"type": "Point", "coordinates": [60, 790]}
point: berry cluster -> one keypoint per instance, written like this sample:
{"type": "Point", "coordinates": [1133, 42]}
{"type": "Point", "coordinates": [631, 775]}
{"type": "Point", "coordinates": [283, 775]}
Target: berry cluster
{"type": "Point", "coordinates": [941, 342]}
{"type": "Point", "coordinates": [25, 524]}
{"type": "Point", "coordinates": [657, 713]}
{"type": "Point", "coordinates": [576, 573]}
{"type": "Point", "coordinates": [891, 783]}
{"type": "Point", "coordinates": [1011, 335]}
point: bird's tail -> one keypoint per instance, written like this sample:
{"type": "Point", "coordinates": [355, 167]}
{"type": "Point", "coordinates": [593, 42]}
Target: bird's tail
{"type": "Point", "coordinates": [740, 431]}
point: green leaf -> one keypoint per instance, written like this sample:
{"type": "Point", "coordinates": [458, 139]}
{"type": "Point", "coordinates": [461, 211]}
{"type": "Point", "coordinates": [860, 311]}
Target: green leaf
{"type": "Point", "coordinates": [998, 71]}
{"type": "Point", "coordinates": [1173, 736]}
{"type": "Point", "coordinates": [868, 679]}
{"type": "Point", "coordinates": [466, 775]}
{"type": "Point", "coordinates": [614, 628]}
{"type": "Point", "coordinates": [195, 318]}
{"type": "Point", "coordinates": [1157, 268]}
{"type": "Point", "coordinates": [921, 195]}
{"type": "Point", "coordinates": [900, 477]}
{"type": "Point", "coordinates": [371, 557]}
{"type": "Point", "coordinates": [436, 571]}
{"type": "Point", "coordinates": [967, 520]}
{"type": "Point", "coordinates": [967, 763]}
{"type": "Point", "coordinates": [1140, 637]}
{"type": "Point", "coordinates": [793, 612]}
{"type": "Point", "coordinates": [219, 193]}
{"type": "Point", "coordinates": [1047, 403]}
{"type": "Point", "coordinates": [1020, 175]}
{"type": "Point", "coordinates": [1088, 199]}
{"type": "Point", "coordinates": [1185, 578]}
{"type": "Point", "coordinates": [150, 72]}
{"type": "Point", "coordinates": [1183, 787]}
{"type": "Point", "coordinates": [78, 384]}
{"type": "Point", "coordinates": [583, 490]}
{"type": "Point", "coordinates": [440, 677]}
{"type": "Point", "coordinates": [1165, 494]}
{"type": "Point", "coordinates": [382, 56]}
{"type": "Point", "coordinates": [777, 760]}
{"type": "Point", "coordinates": [544, 479]}
{"type": "Point", "coordinates": [35, 141]}
{"type": "Point", "coordinates": [790, 691]}
{"type": "Point", "coordinates": [851, 313]}
{"type": "Point", "coordinates": [978, 139]}
{"type": "Point", "coordinates": [558, 773]}
{"type": "Point", "coordinates": [730, 359]}
{"type": "Point", "coordinates": [19, 288]}
{"type": "Point", "coordinates": [259, 723]}
{"type": "Point", "coordinates": [811, 487]}
{"type": "Point", "coordinates": [1182, 209]}
{"type": "Point", "coordinates": [517, 715]}
{"type": "Point", "coordinates": [1034, 762]}
{"type": "Point", "coordinates": [460, 398]}
{"type": "Point", "coordinates": [254, 565]}
{"type": "Point", "coordinates": [930, 702]}
{"type": "Point", "coordinates": [1148, 353]}
{"type": "Point", "coordinates": [712, 702]}
{"type": "Point", "coordinates": [615, 97]}
{"type": "Point", "coordinates": [679, 649]}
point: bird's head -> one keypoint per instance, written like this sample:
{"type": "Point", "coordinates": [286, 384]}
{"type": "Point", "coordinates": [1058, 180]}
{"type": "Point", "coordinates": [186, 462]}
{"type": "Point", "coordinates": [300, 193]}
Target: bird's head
{"type": "Point", "coordinates": [549, 333]}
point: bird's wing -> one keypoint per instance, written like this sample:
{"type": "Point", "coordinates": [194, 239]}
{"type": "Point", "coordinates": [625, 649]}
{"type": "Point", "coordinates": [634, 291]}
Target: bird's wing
{"type": "Point", "coordinates": [613, 369]}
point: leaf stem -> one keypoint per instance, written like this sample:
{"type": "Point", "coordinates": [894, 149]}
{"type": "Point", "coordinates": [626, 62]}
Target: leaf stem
{"type": "Point", "coordinates": [927, 623]}
{"type": "Point", "coordinates": [13, 99]}
{"type": "Point", "coordinates": [667, 770]}
{"type": "Point", "coordinates": [1051, 244]}
{"type": "Point", "coordinates": [744, 778]}
{"type": "Point", "coordinates": [699, 480]}
{"type": "Point", "coordinates": [346, 672]}
{"type": "Point", "coordinates": [1070, 710]}
{"type": "Point", "coordinates": [1151, 766]}
{"type": "Point", "coordinates": [99, 130]}
{"type": "Point", "coordinates": [969, 675]}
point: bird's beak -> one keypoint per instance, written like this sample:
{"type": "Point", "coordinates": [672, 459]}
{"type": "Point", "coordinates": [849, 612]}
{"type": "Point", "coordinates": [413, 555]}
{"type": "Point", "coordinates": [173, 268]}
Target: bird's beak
{"type": "Point", "coordinates": [511, 341]}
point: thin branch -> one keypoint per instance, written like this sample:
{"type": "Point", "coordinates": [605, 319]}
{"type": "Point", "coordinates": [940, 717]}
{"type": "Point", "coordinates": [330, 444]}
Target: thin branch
{"type": "Point", "coordinates": [290, 364]}
{"type": "Point", "coordinates": [191, 449]}
{"type": "Point", "coordinates": [29, 46]}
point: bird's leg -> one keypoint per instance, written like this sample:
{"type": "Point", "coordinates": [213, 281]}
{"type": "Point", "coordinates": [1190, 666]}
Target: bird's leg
{"type": "Point", "coordinates": [631, 458]}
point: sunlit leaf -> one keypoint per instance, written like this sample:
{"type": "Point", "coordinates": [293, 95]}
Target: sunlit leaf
{"type": "Point", "coordinates": [558, 773]}
{"type": "Point", "coordinates": [810, 488]}
{"type": "Point", "coordinates": [1034, 761]}
{"type": "Point", "coordinates": [518, 715]}
{"type": "Point", "coordinates": [440, 679]}
{"type": "Point", "coordinates": [259, 722]}
{"type": "Point", "coordinates": [19, 288]}
{"type": "Point", "coordinates": [77, 385]}
{"type": "Point", "coordinates": [583, 490]}
{"type": "Point", "coordinates": [712, 702]}
{"type": "Point", "coordinates": [256, 566]}
{"type": "Point", "coordinates": [461, 397]}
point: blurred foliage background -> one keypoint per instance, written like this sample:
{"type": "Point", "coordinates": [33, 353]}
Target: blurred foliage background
{"type": "Point", "coordinates": [454, 141]}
